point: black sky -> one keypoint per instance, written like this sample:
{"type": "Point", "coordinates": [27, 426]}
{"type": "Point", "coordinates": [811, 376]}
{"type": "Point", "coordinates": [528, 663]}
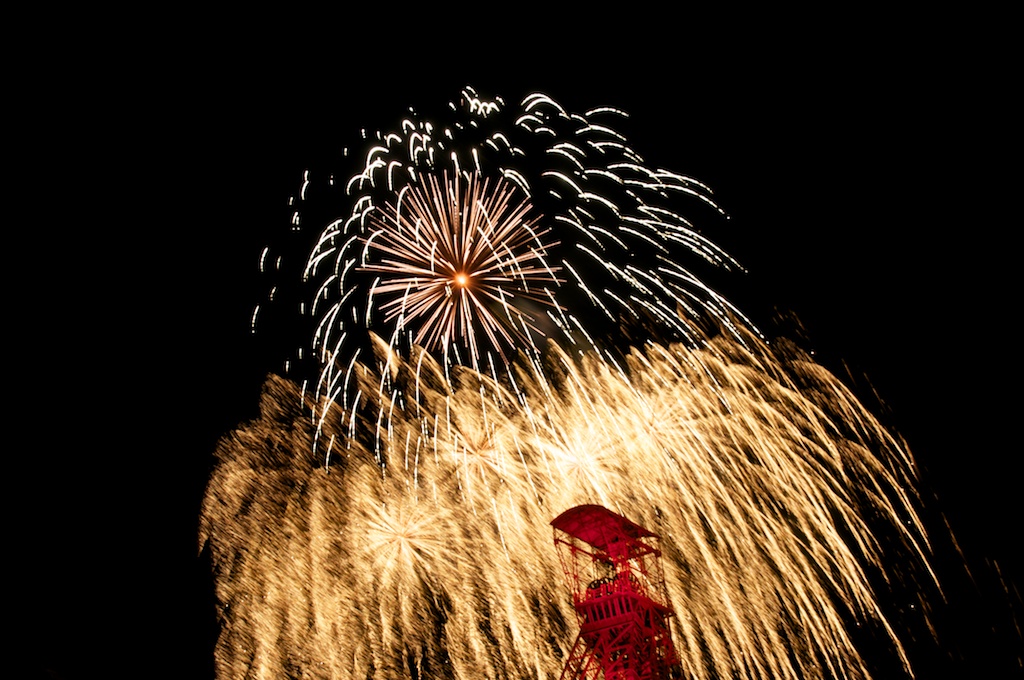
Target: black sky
{"type": "Point", "coordinates": [867, 166]}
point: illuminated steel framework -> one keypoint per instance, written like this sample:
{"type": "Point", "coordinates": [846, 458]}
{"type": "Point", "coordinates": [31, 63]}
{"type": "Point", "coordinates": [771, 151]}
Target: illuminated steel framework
{"type": "Point", "coordinates": [614, 571]}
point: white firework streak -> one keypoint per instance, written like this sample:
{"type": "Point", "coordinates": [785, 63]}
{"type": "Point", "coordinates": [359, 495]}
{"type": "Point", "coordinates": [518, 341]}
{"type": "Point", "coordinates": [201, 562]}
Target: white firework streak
{"type": "Point", "coordinates": [451, 262]}
{"type": "Point", "coordinates": [771, 486]}
{"type": "Point", "coordinates": [579, 236]}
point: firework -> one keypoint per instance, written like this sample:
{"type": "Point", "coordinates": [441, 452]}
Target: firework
{"type": "Point", "coordinates": [432, 554]}
{"type": "Point", "coordinates": [390, 517]}
{"type": "Point", "coordinates": [487, 235]}
{"type": "Point", "coordinates": [450, 264]}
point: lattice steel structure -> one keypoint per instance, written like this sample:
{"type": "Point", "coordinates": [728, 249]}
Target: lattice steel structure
{"type": "Point", "coordinates": [613, 569]}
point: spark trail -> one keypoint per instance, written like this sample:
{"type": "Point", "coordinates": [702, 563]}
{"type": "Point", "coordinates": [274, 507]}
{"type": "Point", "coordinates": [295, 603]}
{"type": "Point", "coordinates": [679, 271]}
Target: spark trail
{"type": "Point", "coordinates": [501, 328]}
{"type": "Point", "coordinates": [485, 235]}
{"type": "Point", "coordinates": [431, 556]}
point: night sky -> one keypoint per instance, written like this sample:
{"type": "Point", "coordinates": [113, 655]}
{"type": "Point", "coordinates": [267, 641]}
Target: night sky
{"type": "Point", "coordinates": [867, 170]}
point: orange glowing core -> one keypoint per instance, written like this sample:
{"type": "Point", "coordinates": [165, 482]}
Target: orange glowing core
{"type": "Point", "coordinates": [461, 279]}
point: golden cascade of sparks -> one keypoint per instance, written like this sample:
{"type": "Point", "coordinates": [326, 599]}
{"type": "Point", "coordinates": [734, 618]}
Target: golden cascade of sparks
{"type": "Point", "coordinates": [433, 554]}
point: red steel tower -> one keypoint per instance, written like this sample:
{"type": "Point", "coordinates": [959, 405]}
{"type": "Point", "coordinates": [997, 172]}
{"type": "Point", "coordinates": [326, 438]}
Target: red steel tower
{"type": "Point", "coordinates": [614, 571]}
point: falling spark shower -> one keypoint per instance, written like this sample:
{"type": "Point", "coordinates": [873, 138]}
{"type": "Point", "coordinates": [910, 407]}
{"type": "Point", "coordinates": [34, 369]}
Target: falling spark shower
{"type": "Point", "coordinates": [503, 325]}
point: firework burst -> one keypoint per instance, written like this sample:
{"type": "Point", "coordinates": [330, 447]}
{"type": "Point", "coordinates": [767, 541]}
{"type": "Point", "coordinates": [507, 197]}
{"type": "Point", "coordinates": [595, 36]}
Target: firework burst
{"type": "Point", "coordinates": [771, 486]}
{"type": "Point", "coordinates": [455, 264]}
{"type": "Point", "coordinates": [482, 237]}
{"type": "Point", "coordinates": [474, 306]}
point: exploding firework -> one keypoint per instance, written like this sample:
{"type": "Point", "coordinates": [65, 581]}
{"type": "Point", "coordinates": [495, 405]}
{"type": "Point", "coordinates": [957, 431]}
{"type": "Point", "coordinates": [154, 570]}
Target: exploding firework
{"type": "Point", "coordinates": [391, 516]}
{"type": "Point", "coordinates": [453, 265]}
{"type": "Point", "coordinates": [431, 556]}
{"type": "Point", "coordinates": [483, 237]}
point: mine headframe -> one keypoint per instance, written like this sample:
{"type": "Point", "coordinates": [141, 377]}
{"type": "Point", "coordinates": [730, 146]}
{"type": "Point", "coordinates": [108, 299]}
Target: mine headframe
{"type": "Point", "coordinates": [614, 572]}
